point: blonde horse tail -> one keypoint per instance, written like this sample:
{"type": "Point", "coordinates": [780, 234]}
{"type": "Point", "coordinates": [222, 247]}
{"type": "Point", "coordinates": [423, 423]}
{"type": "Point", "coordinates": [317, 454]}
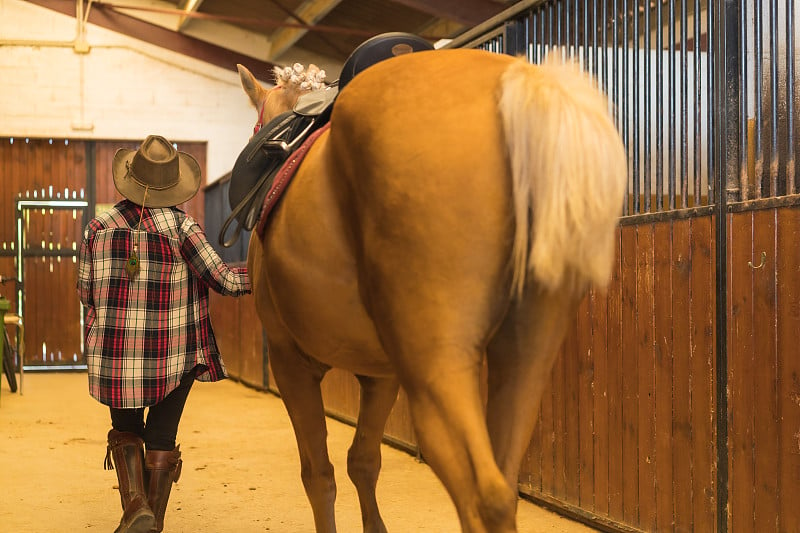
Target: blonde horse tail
{"type": "Point", "coordinates": [569, 174]}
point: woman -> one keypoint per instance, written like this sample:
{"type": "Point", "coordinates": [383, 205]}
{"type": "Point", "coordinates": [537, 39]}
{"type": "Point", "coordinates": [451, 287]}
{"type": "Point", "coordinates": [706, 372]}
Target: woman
{"type": "Point", "coordinates": [145, 268]}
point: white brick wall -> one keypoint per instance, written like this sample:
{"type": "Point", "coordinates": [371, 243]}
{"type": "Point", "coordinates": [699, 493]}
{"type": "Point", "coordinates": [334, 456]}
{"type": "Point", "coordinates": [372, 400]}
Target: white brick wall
{"type": "Point", "coordinates": [124, 88]}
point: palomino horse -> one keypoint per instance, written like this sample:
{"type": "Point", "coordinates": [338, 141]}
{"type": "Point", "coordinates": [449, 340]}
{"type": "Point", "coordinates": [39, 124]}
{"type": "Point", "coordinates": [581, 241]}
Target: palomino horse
{"type": "Point", "coordinates": [457, 210]}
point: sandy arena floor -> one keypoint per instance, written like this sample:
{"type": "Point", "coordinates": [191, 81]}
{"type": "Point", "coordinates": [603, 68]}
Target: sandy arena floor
{"type": "Point", "coordinates": [240, 471]}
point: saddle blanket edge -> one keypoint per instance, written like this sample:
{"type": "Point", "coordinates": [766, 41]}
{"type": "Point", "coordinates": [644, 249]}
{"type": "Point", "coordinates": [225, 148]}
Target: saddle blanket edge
{"type": "Point", "coordinates": [284, 176]}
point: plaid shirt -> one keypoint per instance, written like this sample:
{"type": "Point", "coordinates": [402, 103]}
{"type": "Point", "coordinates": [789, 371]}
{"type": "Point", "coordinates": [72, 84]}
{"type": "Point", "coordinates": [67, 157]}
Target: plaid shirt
{"type": "Point", "coordinates": [144, 334]}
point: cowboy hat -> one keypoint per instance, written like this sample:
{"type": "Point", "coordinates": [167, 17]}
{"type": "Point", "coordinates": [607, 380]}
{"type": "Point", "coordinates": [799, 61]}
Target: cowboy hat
{"type": "Point", "coordinates": [156, 173]}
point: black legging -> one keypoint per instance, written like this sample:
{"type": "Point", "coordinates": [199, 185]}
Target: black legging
{"type": "Point", "coordinates": [162, 418]}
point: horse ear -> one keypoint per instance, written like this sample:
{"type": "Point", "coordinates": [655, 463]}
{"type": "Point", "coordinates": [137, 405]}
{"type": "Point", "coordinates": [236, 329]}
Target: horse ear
{"type": "Point", "coordinates": [251, 85]}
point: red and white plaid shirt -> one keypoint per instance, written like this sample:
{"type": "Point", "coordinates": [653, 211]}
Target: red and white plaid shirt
{"type": "Point", "coordinates": [144, 333]}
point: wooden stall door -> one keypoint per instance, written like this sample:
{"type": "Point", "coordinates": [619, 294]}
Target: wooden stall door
{"type": "Point", "coordinates": [51, 308]}
{"type": "Point", "coordinates": [36, 169]}
{"type": "Point", "coordinates": [764, 370]}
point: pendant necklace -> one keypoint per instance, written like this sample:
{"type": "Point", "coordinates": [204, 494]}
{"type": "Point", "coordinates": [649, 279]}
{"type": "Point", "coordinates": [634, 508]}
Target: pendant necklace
{"type": "Point", "coordinates": [132, 264]}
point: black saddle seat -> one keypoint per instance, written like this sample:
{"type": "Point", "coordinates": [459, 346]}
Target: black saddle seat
{"type": "Point", "coordinates": [376, 49]}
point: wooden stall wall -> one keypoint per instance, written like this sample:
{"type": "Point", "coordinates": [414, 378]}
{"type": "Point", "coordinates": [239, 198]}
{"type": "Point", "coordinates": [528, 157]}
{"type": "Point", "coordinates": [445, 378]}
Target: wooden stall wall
{"type": "Point", "coordinates": [626, 433]}
{"type": "Point", "coordinates": [240, 339]}
{"type": "Point", "coordinates": [340, 392]}
{"type": "Point", "coordinates": [57, 169]}
{"type": "Point", "coordinates": [764, 369]}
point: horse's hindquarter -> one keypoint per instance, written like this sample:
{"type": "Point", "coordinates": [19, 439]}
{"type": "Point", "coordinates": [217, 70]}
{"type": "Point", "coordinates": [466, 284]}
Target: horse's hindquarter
{"type": "Point", "coordinates": [418, 141]}
{"type": "Point", "coordinates": [305, 275]}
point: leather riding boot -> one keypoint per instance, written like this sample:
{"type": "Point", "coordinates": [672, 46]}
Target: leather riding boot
{"type": "Point", "coordinates": [163, 468]}
{"type": "Point", "coordinates": [127, 451]}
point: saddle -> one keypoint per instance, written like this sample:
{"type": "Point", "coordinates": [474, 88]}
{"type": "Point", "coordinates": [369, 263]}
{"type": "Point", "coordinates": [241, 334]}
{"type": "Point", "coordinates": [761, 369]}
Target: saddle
{"type": "Point", "coordinates": [258, 164]}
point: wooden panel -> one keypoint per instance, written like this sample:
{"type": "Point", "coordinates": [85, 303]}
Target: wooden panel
{"type": "Point", "coordinates": [662, 394]}
{"type": "Point", "coordinates": [680, 447]}
{"type": "Point", "coordinates": [251, 343]}
{"type": "Point", "coordinates": [741, 440]}
{"type": "Point", "coordinates": [600, 404]}
{"type": "Point", "coordinates": [788, 373]}
{"type": "Point", "coordinates": [399, 426]}
{"type": "Point", "coordinates": [52, 330]}
{"type": "Point", "coordinates": [572, 410]}
{"type": "Point", "coordinates": [559, 427]}
{"type": "Point", "coordinates": [703, 375]}
{"type": "Point", "coordinates": [239, 337]}
{"type": "Point", "coordinates": [765, 372]}
{"type": "Point", "coordinates": [614, 430]}
{"type": "Point", "coordinates": [645, 354]}
{"type": "Point", "coordinates": [547, 446]}
{"type": "Point", "coordinates": [340, 393]}
{"type": "Point", "coordinates": [583, 382]}
{"type": "Point", "coordinates": [224, 313]}
{"type": "Point", "coordinates": [629, 381]}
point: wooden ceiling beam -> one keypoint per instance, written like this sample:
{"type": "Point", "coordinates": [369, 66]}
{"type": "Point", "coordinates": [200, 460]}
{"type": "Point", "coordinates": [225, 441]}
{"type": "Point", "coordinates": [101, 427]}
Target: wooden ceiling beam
{"type": "Point", "coordinates": [189, 6]}
{"type": "Point", "coordinates": [160, 35]}
{"type": "Point", "coordinates": [467, 12]}
{"type": "Point", "coordinates": [308, 13]}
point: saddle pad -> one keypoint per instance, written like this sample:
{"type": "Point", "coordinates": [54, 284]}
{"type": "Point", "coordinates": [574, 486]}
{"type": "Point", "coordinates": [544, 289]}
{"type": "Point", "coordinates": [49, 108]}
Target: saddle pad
{"type": "Point", "coordinates": [284, 176]}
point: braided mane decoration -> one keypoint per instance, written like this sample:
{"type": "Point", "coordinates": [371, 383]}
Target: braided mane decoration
{"type": "Point", "coordinates": [299, 77]}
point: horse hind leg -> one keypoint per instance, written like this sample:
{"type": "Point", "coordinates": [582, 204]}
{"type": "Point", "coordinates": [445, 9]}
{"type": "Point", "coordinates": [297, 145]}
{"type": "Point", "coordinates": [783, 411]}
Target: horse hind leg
{"type": "Point", "coordinates": [378, 395]}
{"type": "Point", "coordinates": [520, 357]}
{"type": "Point", "coordinates": [448, 417]}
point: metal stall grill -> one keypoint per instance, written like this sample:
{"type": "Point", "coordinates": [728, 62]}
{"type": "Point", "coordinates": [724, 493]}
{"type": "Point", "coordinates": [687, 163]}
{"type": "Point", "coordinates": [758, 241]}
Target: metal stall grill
{"type": "Point", "coordinates": [704, 95]}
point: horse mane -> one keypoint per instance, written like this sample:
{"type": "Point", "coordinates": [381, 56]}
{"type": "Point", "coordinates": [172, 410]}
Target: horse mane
{"type": "Point", "coordinates": [299, 78]}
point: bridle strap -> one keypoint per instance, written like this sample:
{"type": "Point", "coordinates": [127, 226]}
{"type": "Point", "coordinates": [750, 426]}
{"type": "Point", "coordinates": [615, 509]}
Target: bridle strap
{"type": "Point", "coordinates": [260, 123]}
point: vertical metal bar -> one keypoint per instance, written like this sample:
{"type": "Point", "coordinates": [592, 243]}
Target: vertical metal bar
{"type": "Point", "coordinates": [623, 49]}
{"type": "Point", "coordinates": [543, 41]}
{"type": "Point", "coordinates": [671, 96]}
{"type": "Point", "coordinates": [515, 38]}
{"type": "Point", "coordinates": [743, 170]}
{"type": "Point", "coordinates": [615, 82]}
{"type": "Point", "coordinates": [648, 80]}
{"type": "Point", "coordinates": [684, 106]}
{"type": "Point", "coordinates": [585, 35]}
{"type": "Point", "coordinates": [606, 48]}
{"type": "Point", "coordinates": [549, 27]}
{"type": "Point", "coordinates": [536, 36]}
{"type": "Point", "coordinates": [595, 66]}
{"type": "Point", "coordinates": [559, 41]}
{"type": "Point", "coordinates": [758, 87]}
{"type": "Point", "coordinates": [529, 29]}
{"type": "Point", "coordinates": [698, 104]}
{"type": "Point", "coordinates": [21, 244]}
{"type": "Point", "coordinates": [728, 84]}
{"type": "Point", "coordinates": [635, 126]}
{"type": "Point", "coordinates": [615, 62]}
{"type": "Point", "coordinates": [659, 80]}
{"type": "Point", "coordinates": [773, 97]}
{"type": "Point", "coordinates": [570, 36]}
{"type": "Point", "coordinates": [790, 161]}
{"type": "Point", "coordinates": [711, 20]}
